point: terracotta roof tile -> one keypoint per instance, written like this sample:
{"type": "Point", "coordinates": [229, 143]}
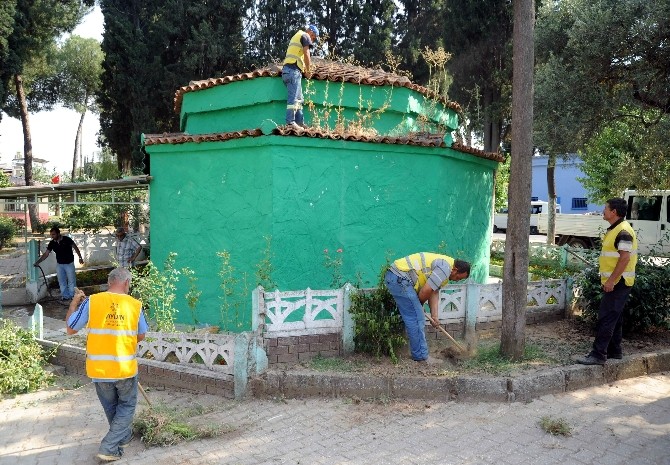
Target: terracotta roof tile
{"type": "Point", "coordinates": [182, 138]}
{"type": "Point", "coordinates": [495, 156]}
{"type": "Point", "coordinates": [324, 70]}
{"type": "Point", "coordinates": [417, 139]}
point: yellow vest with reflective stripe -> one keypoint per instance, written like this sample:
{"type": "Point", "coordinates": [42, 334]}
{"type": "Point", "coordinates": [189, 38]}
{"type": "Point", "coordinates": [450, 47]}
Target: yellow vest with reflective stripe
{"type": "Point", "coordinates": [295, 52]}
{"type": "Point", "coordinates": [419, 266]}
{"type": "Point", "coordinates": [609, 255]}
{"type": "Point", "coordinates": [112, 336]}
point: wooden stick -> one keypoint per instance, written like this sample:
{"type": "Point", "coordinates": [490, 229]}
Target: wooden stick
{"type": "Point", "coordinates": [445, 332]}
{"type": "Point", "coordinates": [144, 394]}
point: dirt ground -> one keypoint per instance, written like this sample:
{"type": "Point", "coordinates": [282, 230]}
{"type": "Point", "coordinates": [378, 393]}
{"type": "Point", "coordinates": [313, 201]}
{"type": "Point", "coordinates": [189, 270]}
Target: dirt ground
{"type": "Point", "coordinates": [547, 345]}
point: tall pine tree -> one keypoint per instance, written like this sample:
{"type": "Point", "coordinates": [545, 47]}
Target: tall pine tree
{"type": "Point", "coordinates": [153, 47]}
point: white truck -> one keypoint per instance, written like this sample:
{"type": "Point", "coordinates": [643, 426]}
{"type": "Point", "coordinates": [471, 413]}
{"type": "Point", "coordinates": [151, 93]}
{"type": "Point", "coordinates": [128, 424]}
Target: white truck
{"type": "Point", "coordinates": [648, 213]}
{"type": "Point", "coordinates": [536, 207]}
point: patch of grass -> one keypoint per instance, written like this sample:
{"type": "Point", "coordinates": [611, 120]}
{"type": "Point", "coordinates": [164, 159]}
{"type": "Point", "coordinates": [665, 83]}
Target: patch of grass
{"type": "Point", "coordinates": [555, 427]}
{"type": "Point", "coordinates": [320, 363]}
{"type": "Point", "coordinates": [162, 425]}
{"type": "Point", "coordinates": [490, 360]}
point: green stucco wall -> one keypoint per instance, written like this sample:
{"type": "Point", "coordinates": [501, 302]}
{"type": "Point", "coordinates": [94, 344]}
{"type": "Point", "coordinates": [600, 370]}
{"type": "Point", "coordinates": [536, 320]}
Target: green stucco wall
{"type": "Point", "coordinates": [245, 104]}
{"type": "Point", "coordinates": [308, 194]}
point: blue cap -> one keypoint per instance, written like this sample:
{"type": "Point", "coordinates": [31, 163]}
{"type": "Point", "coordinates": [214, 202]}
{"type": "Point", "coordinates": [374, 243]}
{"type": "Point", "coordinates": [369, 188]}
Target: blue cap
{"type": "Point", "coordinates": [313, 28]}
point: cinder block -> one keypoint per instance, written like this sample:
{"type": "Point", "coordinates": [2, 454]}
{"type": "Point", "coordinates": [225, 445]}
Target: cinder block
{"type": "Point", "coordinates": [287, 341]}
{"type": "Point", "coordinates": [279, 350]}
{"type": "Point", "coordinates": [328, 337]}
{"type": "Point", "coordinates": [287, 358]}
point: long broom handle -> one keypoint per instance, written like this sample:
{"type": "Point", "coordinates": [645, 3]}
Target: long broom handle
{"type": "Point", "coordinates": [445, 332]}
{"type": "Point", "coordinates": [144, 394]}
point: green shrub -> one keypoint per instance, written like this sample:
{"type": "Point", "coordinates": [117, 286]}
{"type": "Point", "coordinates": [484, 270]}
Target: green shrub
{"type": "Point", "coordinates": [7, 230]}
{"type": "Point", "coordinates": [44, 227]}
{"type": "Point", "coordinates": [648, 305]}
{"type": "Point", "coordinates": [20, 223]}
{"type": "Point", "coordinates": [22, 361]}
{"type": "Point", "coordinates": [378, 326]}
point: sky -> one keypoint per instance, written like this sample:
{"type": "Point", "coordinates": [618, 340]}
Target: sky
{"type": "Point", "coordinates": [53, 132]}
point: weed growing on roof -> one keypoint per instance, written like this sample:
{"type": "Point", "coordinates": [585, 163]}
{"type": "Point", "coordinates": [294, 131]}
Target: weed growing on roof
{"type": "Point", "coordinates": [161, 425]}
{"type": "Point", "coordinates": [555, 427]}
{"type": "Point", "coordinates": [22, 361]}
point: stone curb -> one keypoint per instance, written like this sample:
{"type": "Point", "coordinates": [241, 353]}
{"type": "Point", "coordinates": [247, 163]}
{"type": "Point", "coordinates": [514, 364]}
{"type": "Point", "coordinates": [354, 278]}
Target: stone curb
{"type": "Point", "coordinates": [522, 388]}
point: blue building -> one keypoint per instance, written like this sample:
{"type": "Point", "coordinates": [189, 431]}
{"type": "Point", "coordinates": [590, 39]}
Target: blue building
{"type": "Point", "coordinates": [570, 194]}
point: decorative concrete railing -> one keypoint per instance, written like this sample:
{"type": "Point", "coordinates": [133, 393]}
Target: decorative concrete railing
{"type": "Point", "coordinates": [214, 351]}
{"type": "Point", "coordinates": [297, 313]}
{"type": "Point", "coordinates": [319, 311]}
{"type": "Point", "coordinates": [297, 325]}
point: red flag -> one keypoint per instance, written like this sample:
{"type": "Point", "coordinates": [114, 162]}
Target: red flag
{"type": "Point", "coordinates": [55, 179]}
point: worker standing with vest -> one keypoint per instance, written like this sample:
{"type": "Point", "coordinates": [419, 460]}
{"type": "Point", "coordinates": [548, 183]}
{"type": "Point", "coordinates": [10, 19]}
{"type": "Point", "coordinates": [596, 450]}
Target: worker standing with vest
{"type": "Point", "coordinates": [618, 258]}
{"type": "Point", "coordinates": [296, 63]}
{"type": "Point", "coordinates": [415, 279]}
{"type": "Point", "coordinates": [115, 324]}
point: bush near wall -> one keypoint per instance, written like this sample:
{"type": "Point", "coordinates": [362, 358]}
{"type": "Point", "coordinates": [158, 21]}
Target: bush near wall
{"type": "Point", "coordinates": [7, 230]}
{"type": "Point", "coordinates": [647, 307]}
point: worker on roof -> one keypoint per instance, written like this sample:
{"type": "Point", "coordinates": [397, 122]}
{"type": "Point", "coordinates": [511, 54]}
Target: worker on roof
{"type": "Point", "coordinates": [296, 63]}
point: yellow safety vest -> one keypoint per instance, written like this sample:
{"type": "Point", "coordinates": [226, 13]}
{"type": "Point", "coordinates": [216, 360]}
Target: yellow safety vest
{"type": "Point", "coordinates": [419, 267]}
{"type": "Point", "coordinates": [609, 255]}
{"type": "Point", "coordinates": [112, 336]}
{"type": "Point", "coordinates": [295, 52]}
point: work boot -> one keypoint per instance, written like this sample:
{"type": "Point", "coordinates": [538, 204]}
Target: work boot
{"type": "Point", "coordinates": [431, 361]}
{"type": "Point", "coordinates": [590, 360]}
{"type": "Point", "coordinates": [108, 458]}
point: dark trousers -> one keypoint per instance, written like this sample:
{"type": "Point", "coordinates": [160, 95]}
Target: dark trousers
{"type": "Point", "coordinates": [610, 320]}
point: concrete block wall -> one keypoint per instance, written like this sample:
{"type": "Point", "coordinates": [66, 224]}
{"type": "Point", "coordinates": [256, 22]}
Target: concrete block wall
{"type": "Point", "coordinates": [152, 373]}
{"type": "Point", "coordinates": [289, 350]}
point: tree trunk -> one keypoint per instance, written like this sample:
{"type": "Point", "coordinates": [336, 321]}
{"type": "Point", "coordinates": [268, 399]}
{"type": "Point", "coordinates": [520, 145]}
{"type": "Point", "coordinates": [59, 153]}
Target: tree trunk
{"type": "Point", "coordinates": [27, 148]}
{"type": "Point", "coordinates": [77, 146]}
{"type": "Point", "coordinates": [515, 275]}
{"type": "Point", "coordinates": [551, 192]}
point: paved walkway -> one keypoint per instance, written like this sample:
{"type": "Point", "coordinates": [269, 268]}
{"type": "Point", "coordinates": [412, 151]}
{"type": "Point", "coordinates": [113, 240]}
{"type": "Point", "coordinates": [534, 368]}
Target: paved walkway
{"type": "Point", "coordinates": [625, 423]}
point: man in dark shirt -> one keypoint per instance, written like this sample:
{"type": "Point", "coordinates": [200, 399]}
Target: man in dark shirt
{"type": "Point", "coordinates": [63, 246]}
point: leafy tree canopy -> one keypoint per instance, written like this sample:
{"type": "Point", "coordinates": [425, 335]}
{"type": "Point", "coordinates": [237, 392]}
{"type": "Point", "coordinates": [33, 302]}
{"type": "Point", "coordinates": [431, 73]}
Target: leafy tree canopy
{"type": "Point", "coordinates": [603, 83]}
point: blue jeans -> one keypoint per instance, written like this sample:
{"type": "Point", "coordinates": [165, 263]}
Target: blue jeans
{"type": "Point", "coordinates": [118, 399]}
{"type": "Point", "coordinates": [292, 78]}
{"type": "Point", "coordinates": [67, 279]}
{"type": "Point", "coordinates": [412, 313]}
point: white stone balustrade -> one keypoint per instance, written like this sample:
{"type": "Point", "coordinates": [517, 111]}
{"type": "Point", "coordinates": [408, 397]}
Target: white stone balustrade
{"type": "Point", "coordinates": [307, 312]}
{"type": "Point", "coordinates": [214, 351]}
